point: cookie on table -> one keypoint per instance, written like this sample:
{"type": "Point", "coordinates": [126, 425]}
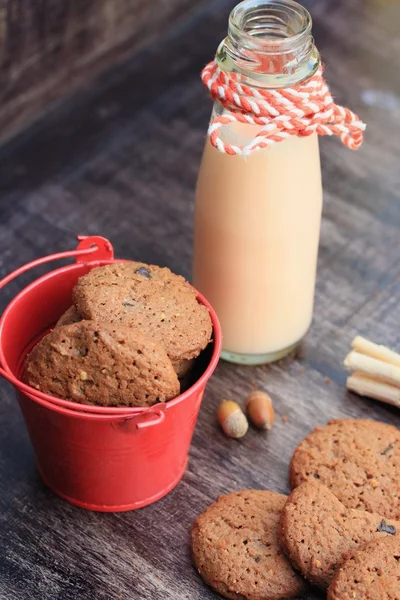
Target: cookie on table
{"type": "Point", "coordinates": [317, 531]}
{"type": "Point", "coordinates": [370, 573]}
{"type": "Point", "coordinates": [70, 316]}
{"type": "Point", "coordinates": [151, 299]}
{"type": "Point", "coordinates": [236, 550]}
{"type": "Point", "coordinates": [357, 459]}
{"type": "Point", "coordinates": [103, 364]}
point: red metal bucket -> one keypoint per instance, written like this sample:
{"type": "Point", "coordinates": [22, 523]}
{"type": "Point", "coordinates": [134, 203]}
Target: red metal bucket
{"type": "Point", "coordinates": [99, 458]}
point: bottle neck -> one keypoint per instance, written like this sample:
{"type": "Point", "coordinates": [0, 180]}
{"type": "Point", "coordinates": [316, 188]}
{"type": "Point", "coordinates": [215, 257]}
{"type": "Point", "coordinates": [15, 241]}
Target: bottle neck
{"type": "Point", "coordinates": [269, 44]}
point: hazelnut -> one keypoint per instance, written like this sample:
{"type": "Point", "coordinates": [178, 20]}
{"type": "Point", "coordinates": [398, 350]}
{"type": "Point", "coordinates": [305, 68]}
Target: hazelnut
{"type": "Point", "coordinates": [232, 419]}
{"type": "Point", "coordinates": [260, 410]}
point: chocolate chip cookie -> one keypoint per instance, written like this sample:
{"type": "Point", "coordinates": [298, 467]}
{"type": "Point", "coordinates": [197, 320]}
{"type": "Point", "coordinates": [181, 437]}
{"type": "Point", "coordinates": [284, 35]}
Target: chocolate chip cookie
{"type": "Point", "coordinates": [100, 363]}
{"type": "Point", "coordinates": [317, 531]}
{"type": "Point", "coordinates": [370, 573]}
{"type": "Point", "coordinates": [357, 459]}
{"type": "Point", "coordinates": [151, 299]}
{"type": "Point", "coordinates": [236, 548]}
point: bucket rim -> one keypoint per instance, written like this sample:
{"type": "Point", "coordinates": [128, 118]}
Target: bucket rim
{"type": "Point", "coordinates": [89, 409]}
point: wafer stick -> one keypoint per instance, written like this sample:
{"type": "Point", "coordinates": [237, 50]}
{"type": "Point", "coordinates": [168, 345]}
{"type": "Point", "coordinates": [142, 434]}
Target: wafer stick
{"type": "Point", "coordinates": [373, 367]}
{"type": "Point", "coordinates": [365, 386]}
{"type": "Point", "coordinates": [378, 351]}
{"type": "Point", "coordinates": [376, 371]}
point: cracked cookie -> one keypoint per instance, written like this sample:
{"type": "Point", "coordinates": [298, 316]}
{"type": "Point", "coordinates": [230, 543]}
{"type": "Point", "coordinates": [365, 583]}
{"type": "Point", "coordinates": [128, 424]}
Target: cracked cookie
{"type": "Point", "coordinates": [236, 550]}
{"type": "Point", "coordinates": [100, 363]}
{"type": "Point", "coordinates": [317, 531]}
{"type": "Point", "coordinates": [357, 459]}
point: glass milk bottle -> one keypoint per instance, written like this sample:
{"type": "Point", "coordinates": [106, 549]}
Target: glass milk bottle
{"type": "Point", "coordinates": [258, 213]}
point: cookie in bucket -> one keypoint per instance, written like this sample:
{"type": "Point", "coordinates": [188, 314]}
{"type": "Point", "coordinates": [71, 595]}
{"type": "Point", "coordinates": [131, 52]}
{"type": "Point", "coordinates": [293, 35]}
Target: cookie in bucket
{"type": "Point", "coordinates": [101, 363]}
{"type": "Point", "coordinates": [133, 330]}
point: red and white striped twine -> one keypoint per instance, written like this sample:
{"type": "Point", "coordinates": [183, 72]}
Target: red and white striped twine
{"type": "Point", "coordinates": [300, 110]}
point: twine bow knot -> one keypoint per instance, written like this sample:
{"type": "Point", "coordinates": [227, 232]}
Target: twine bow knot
{"type": "Point", "coordinates": [301, 110]}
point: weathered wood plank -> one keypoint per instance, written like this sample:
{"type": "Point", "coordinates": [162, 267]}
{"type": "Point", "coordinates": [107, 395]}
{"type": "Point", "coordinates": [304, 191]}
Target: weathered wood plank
{"type": "Point", "coordinates": [48, 47]}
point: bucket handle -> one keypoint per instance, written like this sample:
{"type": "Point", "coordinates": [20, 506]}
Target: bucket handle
{"type": "Point", "coordinates": [95, 246]}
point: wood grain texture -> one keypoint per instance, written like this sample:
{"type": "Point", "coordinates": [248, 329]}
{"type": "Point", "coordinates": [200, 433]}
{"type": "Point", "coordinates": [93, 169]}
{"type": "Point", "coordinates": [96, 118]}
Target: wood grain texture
{"type": "Point", "coordinates": [48, 47]}
{"type": "Point", "coordinates": [121, 161]}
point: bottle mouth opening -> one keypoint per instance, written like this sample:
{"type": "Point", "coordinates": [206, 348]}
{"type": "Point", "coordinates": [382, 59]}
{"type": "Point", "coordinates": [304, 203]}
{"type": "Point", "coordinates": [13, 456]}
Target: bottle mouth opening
{"type": "Point", "coordinates": [270, 26]}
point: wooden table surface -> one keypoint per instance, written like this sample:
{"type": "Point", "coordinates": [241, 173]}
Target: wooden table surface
{"type": "Point", "coordinates": [120, 159]}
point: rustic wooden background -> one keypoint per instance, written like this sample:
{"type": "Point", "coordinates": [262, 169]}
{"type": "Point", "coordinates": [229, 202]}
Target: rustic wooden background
{"type": "Point", "coordinates": [120, 159]}
{"type": "Point", "coordinates": [48, 47]}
